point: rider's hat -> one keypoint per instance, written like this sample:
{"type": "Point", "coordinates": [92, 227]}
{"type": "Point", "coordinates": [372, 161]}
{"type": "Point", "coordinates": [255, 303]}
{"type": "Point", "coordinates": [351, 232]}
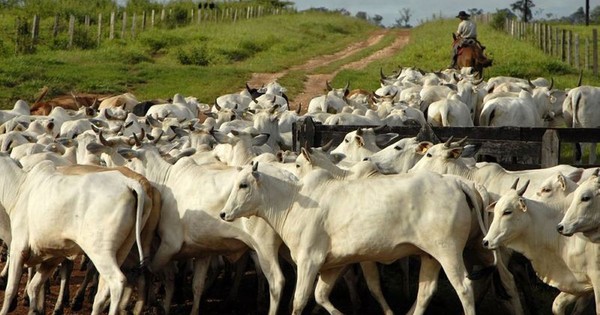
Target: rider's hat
{"type": "Point", "coordinates": [463, 14]}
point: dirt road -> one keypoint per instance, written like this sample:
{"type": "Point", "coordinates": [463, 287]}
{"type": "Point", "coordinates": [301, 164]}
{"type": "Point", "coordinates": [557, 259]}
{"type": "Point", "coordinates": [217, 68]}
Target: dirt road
{"type": "Point", "coordinates": [315, 83]}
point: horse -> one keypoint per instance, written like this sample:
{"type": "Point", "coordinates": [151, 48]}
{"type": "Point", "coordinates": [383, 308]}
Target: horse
{"type": "Point", "coordinates": [471, 55]}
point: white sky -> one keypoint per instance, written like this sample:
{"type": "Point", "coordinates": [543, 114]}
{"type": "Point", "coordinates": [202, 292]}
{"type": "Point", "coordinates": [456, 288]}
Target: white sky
{"type": "Point", "coordinates": [424, 9]}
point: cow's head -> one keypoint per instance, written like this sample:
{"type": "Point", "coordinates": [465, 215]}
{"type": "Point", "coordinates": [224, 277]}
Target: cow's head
{"type": "Point", "coordinates": [510, 218]}
{"type": "Point", "coordinates": [583, 215]}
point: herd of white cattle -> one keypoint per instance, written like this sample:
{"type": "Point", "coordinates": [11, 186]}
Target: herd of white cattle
{"type": "Point", "coordinates": [190, 181]}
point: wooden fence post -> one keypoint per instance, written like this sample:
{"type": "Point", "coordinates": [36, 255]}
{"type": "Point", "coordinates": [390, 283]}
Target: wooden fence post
{"type": "Point", "coordinates": [71, 30]}
{"type": "Point", "coordinates": [124, 25]}
{"type": "Point", "coordinates": [563, 47]}
{"type": "Point", "coordinates": [55, 26]}
{"type": "Point", "coordinates": [99, 37]}
{"type": "Point", "coordinates": [152, 19]}
{"type": "Point", "coordinates": [143, 21]}
{"type": "Point", "coordinates": [557, 42]}
{"type": "Point", "coordinates": [35, 30]}
{"type": "Point", "coordinates": [576, 58]}
{"type": "Point", "coordinates": [550, 149]}
{"type": "Point", "coordinates": [587, 53]}
{"type": "Point", "coordinates": [595, 51]}
{"type": "Point", "coordinates": [569, 37]}
{"type": "Point", "coordinates": [111, 34]}
{"type": "Point", "coordinates": [133, 26]}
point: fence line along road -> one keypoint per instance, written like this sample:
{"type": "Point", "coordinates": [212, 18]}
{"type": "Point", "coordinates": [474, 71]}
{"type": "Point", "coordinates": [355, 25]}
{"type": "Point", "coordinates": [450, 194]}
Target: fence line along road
{"type": "Point", "coordinates": [513, 147]}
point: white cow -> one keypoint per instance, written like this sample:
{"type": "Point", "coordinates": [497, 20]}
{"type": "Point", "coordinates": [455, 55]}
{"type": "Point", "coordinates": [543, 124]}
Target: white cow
{"type": "Point", "coordinates": [445, 158]}
{"type": "Point", "coordinates": [583, 214]}
{"type": "Point", "coordinates": [449, 112]}
{"type": "Point", "coordinates": [46, 230]}
{"type": "Point", "coordinates": [580, 110]}
{"type": "Point", "coordinates": [521, 111]}
{"type": "Point", "coordinates": [571, 265]}
{"type": "Point", "coordinates": [328, 224]}
{"type": "Point", "coordinates": [189, 225]}
{"type": "Point", "coordinates": [362, 143]}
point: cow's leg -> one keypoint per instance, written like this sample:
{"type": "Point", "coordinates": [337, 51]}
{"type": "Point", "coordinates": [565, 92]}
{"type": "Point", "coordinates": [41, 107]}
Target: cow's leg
{"type": "Point", "coordinates": [143, 286]}
{"type": "Point", "coordinates": [371, 274]}
{"type": "Point", "coordinates": [77, 301]}
{"type": "Point", "coordinates": [35, 289]}
{"type": "Point", "coordinates": [351, 277]}
{"type": "Point", "coordinates": [325, 284]}
{"type": "Point", "coordinates": [267, 253]}
{"type": "Point", "coordinates": [16, 258]}
{"type": "Point", "coordinates": [66, 268]}
{"type": "Point", "coordinates": [307, 272]}
{"type": "Point", "coordinates": [454, 267]}
{"type": "Point", "coordinates": [428, 280]}
{"type": "Point", "coordinates": [109, 270]}
{"type": "Point", "coordinates": [508, 281]}
{"type": "Point", "coordinates": [201, 265]}
{"type": "Point", "coordinates": [561, 302]}
{"type": "Point", "coordinates": [168, 279]}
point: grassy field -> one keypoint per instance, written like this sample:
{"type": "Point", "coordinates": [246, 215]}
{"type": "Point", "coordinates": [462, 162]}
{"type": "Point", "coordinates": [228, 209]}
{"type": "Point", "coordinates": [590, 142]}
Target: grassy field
{"type": "Point", "coordinates": [204, 60]}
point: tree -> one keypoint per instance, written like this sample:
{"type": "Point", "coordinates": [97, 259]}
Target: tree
{"type": "Point", "coordinates": [475, 11]}
{"type": "Point", "coordinates": [523, 6]}
{"type": "Point", "coordinates": [405, 16]}
{"type": "Point", "coordinates": [578, 17]}
{"type": "Point", "coordinates": [361, 15]}
{"type": "Point", "coordinates": [377, 19]}
{"type": "Point", "coordinates": [595, 14]}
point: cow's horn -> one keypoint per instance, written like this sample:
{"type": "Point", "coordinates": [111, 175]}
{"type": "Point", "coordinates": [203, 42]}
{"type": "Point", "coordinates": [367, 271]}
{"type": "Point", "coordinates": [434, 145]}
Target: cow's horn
{"type": "Point", "coordinates": [551, 83]}
{"type": "Point", "coordinates": [327, 146]}
{"type": "Point", "coordinates": [521, 191]}
{"type": "Point", "coordinates": [514, 185]}
{"type": "Point", "coordinates": [448, 142]}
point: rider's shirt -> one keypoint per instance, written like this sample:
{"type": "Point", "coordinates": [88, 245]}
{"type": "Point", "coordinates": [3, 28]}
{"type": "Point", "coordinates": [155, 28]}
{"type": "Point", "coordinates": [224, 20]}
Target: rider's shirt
{"type": "Point", "coordinates": [467, 29]}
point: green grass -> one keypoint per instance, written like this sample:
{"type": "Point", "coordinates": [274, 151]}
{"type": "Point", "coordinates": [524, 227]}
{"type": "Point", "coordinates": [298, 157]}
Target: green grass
{"type": "Point", "coordinates": [203, 60]}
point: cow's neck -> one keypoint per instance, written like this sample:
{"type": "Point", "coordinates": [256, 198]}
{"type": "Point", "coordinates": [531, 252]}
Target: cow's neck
{"type": "Point", "coordinates": [12, 179]}
{"type": "Point", "coordinates": [540, 242]}
{"type": "Point", "coordinates": [279, 199]}
{"type": "Point", "coordinates": [158, 170]}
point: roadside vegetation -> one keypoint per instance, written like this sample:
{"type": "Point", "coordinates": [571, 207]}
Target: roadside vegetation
{"type": "Point", "coordinates": [204, 60]}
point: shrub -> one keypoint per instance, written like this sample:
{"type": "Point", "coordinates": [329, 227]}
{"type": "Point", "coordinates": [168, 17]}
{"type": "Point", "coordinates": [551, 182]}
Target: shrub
{"type": "Point", "coordinates": [196, 55]}
{"type": "Point", "coordinates": [499, 19]}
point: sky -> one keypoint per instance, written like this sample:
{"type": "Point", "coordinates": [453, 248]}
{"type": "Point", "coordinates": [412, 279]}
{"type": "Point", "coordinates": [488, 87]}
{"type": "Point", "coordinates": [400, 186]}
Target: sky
{"type": "Point", "coordinates": [423, 10]}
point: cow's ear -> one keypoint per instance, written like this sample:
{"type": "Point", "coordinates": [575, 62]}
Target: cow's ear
{"type": "Point", "coordinates": [522, 204]}
{"type": "Point", "coordinates": [455, 153]}
{"type": "Point", "coordinates": [128, 154]}
{"type": "Point", "coordinates": [423, 147]}
{"type": "Point", "coordinates": [562, 181]}
{"type": "Point", "coordinates": [490, 207]}
{"type": "Point", "coordinates": [306, 155]}
{"type": "Point", "coordinates": [360, 140]}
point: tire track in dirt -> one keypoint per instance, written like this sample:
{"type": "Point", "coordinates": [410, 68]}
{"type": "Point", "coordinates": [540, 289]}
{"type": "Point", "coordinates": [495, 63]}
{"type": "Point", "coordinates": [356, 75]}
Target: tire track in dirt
{"type": "Point", "coordinates": [315, 83]}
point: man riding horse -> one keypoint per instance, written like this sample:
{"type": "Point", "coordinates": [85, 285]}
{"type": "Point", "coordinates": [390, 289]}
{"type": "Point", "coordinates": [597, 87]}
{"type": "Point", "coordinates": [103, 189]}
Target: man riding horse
{"type": "Point", "coordinates": [466, 36]}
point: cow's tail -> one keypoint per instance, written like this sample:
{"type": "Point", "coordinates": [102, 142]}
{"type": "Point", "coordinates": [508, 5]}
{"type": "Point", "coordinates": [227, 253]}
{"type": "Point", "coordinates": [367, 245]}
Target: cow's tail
{"type": "Point", "coordinates": [575, 103]}
{"type": "Point", "coordinates": [444, 116]}
{"type": "Point", "coordinates": [140, 195]}
{"type": "Point", "coordinates": [487, 113]}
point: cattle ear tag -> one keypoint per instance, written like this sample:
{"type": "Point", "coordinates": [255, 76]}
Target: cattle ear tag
{"type": "Point", "coordinates": [490, 207]}
{"type": "Point", "coordinates": [523, 204]}
{"type": "Point", "coordinates": [423, 147]}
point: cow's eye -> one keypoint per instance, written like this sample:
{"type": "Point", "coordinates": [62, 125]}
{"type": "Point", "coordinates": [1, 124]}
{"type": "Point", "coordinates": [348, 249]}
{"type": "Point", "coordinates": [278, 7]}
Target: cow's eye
{"type": "Point", "coordinates": [243, 186]}
{"type": "Point", "coordinates": [398, 148]}
{"type": "Point", "coordinates": [545, 190]}
{"type": "Point", "coordinates": [586, 198]}
{"type": "Point", "coordinates": [507, 212]}
{"type": "Point", "coordinates": [429, 155]}
{"type": "Point", "coordinates": [346, 140]}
